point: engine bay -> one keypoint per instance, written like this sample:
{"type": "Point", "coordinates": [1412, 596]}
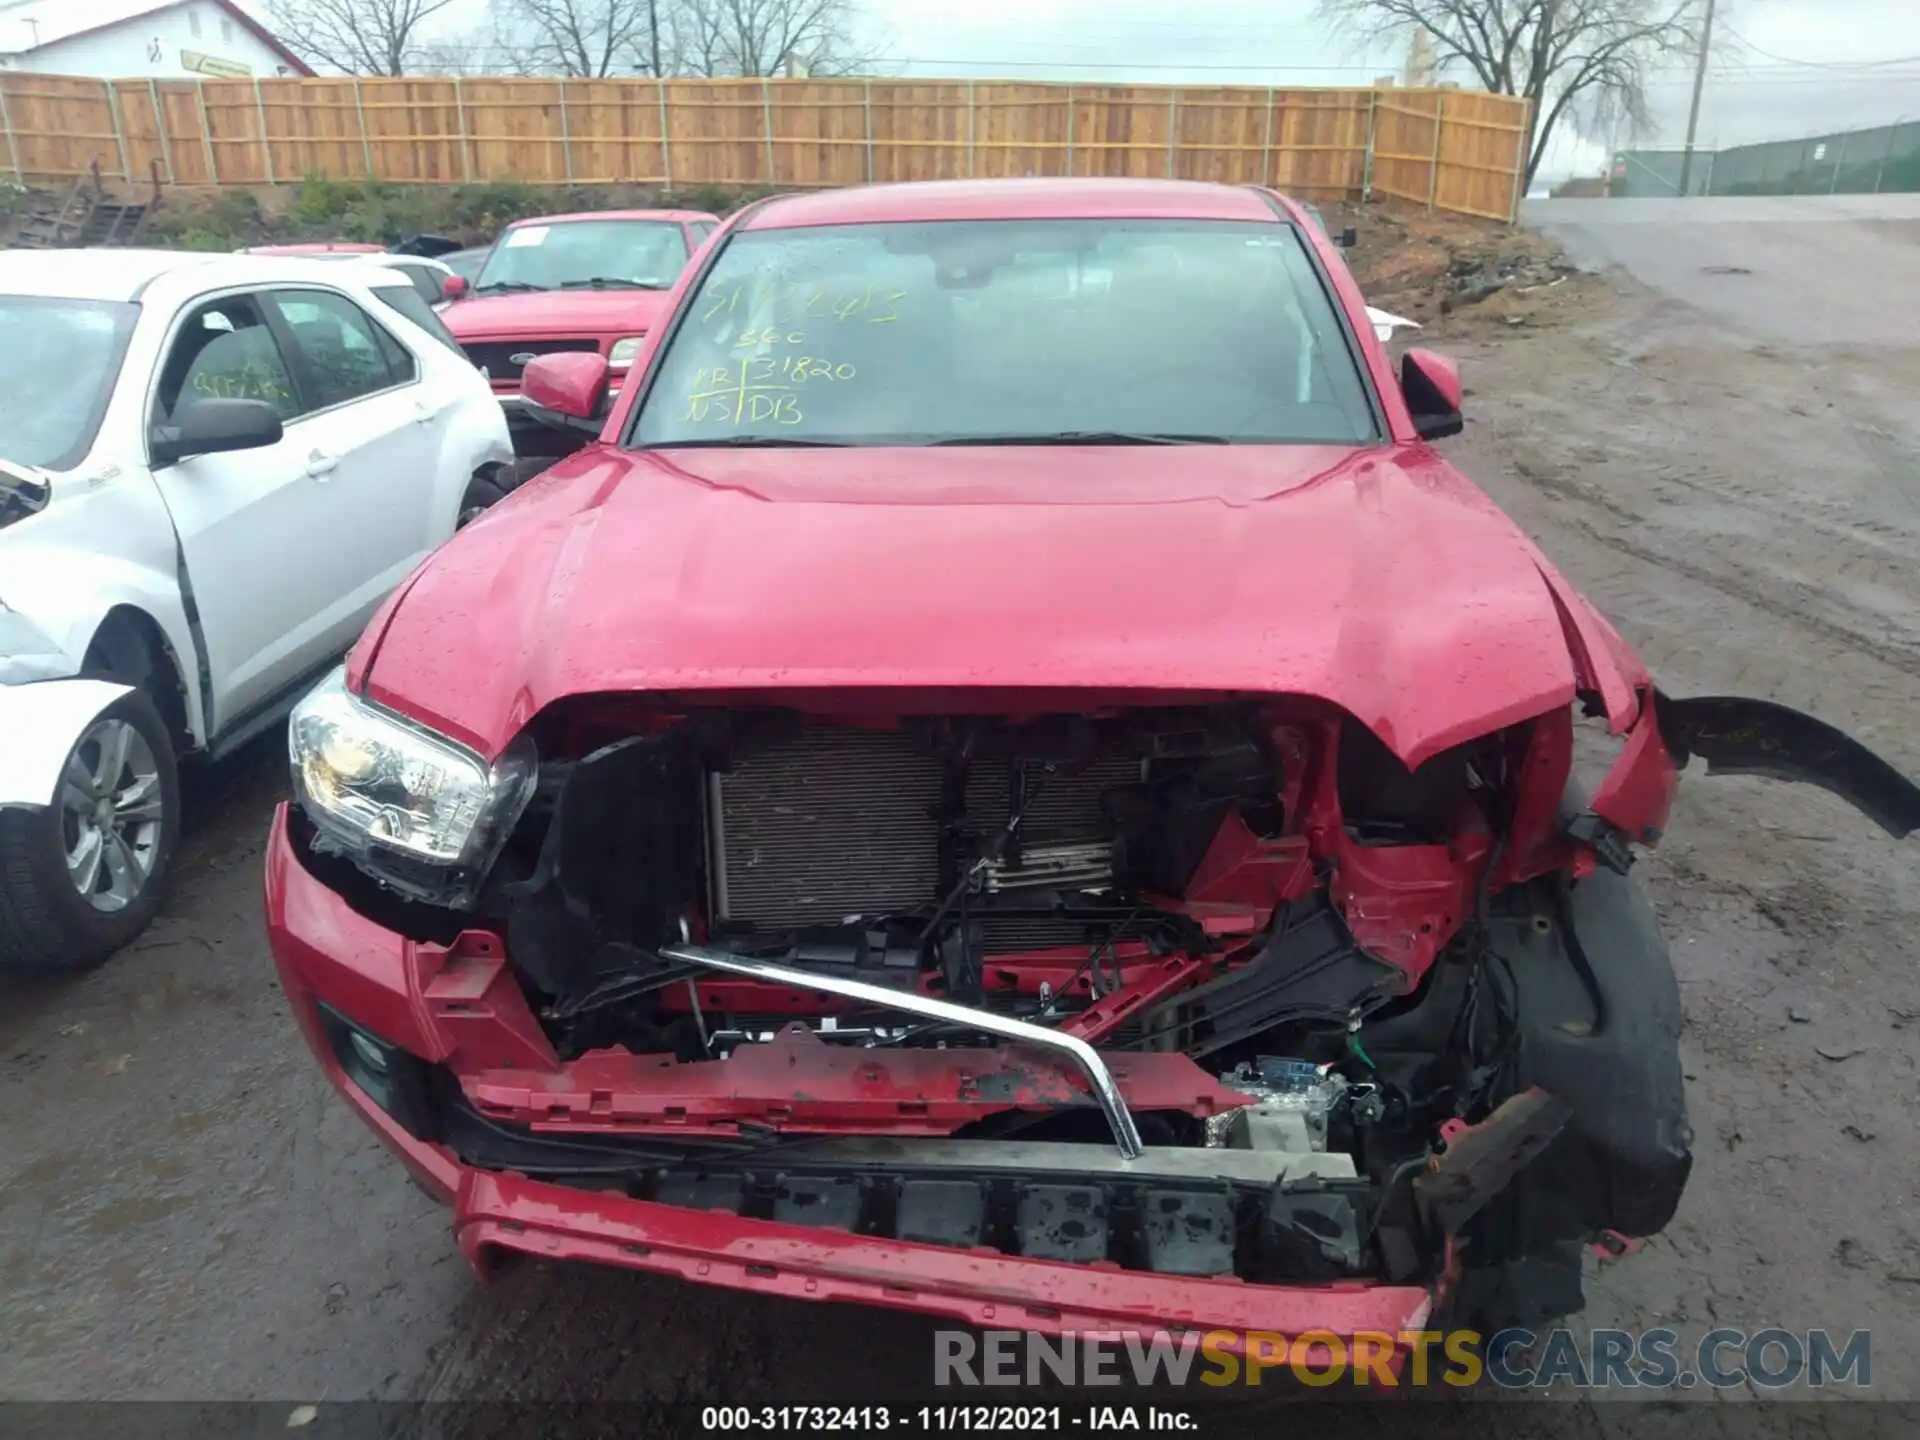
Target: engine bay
{"type": "Point", "coordinates": [955, 977]}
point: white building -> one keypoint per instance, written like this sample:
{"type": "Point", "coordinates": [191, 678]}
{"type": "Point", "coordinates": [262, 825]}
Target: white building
{"type": "Point", "coordinates": [160, 39]}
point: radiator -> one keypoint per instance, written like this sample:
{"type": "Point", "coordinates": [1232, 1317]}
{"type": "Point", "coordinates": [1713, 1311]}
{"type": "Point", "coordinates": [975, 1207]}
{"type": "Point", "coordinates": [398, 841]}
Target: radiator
{"type": "Point", "coordinates": [841, 821]}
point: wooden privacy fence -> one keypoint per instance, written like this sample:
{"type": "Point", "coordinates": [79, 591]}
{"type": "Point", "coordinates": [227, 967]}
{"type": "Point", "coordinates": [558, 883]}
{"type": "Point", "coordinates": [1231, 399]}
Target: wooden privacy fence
{"type": "Point", "coordinates": [1451, 149]}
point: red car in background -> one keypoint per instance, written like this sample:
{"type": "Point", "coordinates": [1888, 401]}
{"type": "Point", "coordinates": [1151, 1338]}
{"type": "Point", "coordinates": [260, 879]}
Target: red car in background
{"type": "Point", "coordinates": [1012, 781]}
{"type": "Point", "coordinates": [592, 283]}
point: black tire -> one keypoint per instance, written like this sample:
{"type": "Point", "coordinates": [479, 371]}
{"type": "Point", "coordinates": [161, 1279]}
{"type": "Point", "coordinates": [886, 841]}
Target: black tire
{"type": "Point", "coordinates": [47, 925]}
{"type": "Point", "coordinates": [482, 491]}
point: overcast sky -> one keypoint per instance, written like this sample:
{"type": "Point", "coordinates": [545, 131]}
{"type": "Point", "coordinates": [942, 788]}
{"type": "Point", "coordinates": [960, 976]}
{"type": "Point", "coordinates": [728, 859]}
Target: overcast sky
{"type": "Point", "coordinates": [1755, 89]}
{"type": "Point", "coordinates": [1781, 68]}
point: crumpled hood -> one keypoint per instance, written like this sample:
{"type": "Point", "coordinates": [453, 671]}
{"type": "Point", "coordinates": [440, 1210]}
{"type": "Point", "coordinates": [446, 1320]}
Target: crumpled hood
{"type": "Point", "coordinates": [555, 312]}
{"type": "Point", "coordinates": [1378, 579]}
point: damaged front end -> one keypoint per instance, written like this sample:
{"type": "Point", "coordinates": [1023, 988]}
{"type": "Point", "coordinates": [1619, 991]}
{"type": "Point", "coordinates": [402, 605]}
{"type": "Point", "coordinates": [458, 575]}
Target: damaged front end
{"type": "Point", "coordinates": [1203, 988]}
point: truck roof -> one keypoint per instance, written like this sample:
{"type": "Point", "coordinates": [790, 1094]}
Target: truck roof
{"type": "Point", "coordinates": [1092, 198]}
{"type": "Point", "coordinates": [674, 216]}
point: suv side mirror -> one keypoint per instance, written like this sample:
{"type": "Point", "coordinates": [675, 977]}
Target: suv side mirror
{"type": "Point", "coordinates": [567, 391]}
{"type": "Point", "coordinates": [1431, 385]}
{"type": "Point", "coordinates": [453, 287]}
{"type": "Point", "coordinates": [208, 427]}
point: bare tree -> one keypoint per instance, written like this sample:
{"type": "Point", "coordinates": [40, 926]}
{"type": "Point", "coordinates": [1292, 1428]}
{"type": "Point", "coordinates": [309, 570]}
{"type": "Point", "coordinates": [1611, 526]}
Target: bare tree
{"type": "Point", "coordinates": [1560, 54]}
{"type": "Point", "coordinates": [768, 37]}
{"type": "Point", "coordinates": [357, 37]}
{"type": "Point", "coordinates": [583, 37]}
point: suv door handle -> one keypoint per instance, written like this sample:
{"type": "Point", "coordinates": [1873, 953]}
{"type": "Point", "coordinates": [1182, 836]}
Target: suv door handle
{"type": "Point", "coordinates": [320, 465]}
{"type": "Point", "coordinates": [425, 414]}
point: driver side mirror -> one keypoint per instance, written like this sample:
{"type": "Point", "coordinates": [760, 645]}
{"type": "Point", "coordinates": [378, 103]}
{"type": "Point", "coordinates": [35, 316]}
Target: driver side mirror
{"type": "Point", "coordinates": [1431, 385]}
{"type": "Point", "coordinates": [453, 287]}
{"type": "Point", "coordinates": [567, 391]}
{"type": "Point", "coordinates": [208, 427]}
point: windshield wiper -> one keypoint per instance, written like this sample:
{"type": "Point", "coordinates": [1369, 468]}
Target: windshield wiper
{"type": "Point", "coordinates": [750, 442]}
{"type": "Point", "coordinates": [611, 282]}
{"type": "Point", "coordinates": [1085, 437]}
{"type": "Point", "coordinates": [504, 286]}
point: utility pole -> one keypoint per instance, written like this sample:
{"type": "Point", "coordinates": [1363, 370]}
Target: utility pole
{"type": "Point", "coordinates": [1693, 115]}
{"type": "Point", "coordinates": [653, 26]}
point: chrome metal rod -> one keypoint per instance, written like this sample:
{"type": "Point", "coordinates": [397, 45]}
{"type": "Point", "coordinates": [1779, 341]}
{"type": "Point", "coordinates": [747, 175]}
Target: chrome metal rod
{"type": "Point", "coordinates": [1126, 1137]}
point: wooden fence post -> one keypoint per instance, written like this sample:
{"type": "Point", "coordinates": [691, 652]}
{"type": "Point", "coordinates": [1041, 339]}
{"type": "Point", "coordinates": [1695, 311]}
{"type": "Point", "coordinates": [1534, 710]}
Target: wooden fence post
{"type": "Point", "coordinates": [119, 129]}
{"type": "Point", "coordinates": [266, 137]}
{"type": "Point", "coordinates": [869, 105]}
{"type": "Point", "coordinates": [666, 147]}
{"type": "Point", "coordinates": [970, 133]}
{"type": "Point", "coordinates": [206, 131]}
{"type": "Point", "coordinates": [1069, 130]}
{"type": "Point", "coordinates": [1433, 169]}
{"type": "Point", "coordinates": [466, 146]}
{"type": "Point", "coordinates": [360, 110]}
{"type": "Point", "coordinates": [566, 130]}
{"type": "Point", "coordinates": [1173, 127]}
{"type": "Point", "coordinates": [1266, 143]}
{"type": "Point", "coordinates": [766, 122]}
{"type": "Point", "coordinates": [13, 148]}
{"type": "Point", "coordinates": [1522, 152]}
{"type": "Point", "coordinates": [1373, 130]}
{"type": "Point", "coordinates": [160, 128]}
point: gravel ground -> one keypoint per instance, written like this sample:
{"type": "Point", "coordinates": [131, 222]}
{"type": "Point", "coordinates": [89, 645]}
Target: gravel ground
{"type": "Point", "coordinates": [184, 1211]}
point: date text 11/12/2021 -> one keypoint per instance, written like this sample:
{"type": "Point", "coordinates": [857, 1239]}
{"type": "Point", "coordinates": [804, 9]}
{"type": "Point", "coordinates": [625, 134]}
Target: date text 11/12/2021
{"type": "Point", "coordinates": [944, 1419]}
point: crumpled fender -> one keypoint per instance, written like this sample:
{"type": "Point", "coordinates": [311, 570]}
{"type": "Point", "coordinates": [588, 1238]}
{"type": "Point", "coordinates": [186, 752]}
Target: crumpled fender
{"type": "Point", "coordinates": [1737, 736]}
{"type": "Point", "coordinates": [39, 724]}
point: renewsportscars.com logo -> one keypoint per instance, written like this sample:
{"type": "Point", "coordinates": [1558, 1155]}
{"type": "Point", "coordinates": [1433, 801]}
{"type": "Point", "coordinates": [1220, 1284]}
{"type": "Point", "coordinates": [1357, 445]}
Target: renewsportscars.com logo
{"type": "Point", "coordinates": [1767, 1359]}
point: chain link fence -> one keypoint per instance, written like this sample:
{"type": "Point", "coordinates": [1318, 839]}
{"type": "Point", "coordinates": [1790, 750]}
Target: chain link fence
{"type": "Point", "coordinates": [1885, 159]}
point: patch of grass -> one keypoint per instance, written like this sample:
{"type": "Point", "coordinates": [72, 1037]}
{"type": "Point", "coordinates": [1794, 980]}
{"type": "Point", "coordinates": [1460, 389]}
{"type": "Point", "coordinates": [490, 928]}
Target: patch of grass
{"type": "Point", "coordinates": [382, 213]}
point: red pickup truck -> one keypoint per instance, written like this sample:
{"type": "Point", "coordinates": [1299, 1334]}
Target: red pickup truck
{"type": "Point", "coordinates": [594, 282]}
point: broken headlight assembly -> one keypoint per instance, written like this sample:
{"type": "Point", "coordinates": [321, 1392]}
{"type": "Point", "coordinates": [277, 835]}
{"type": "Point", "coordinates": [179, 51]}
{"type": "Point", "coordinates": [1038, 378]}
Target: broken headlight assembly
{"type": "Point", "coordinates": [416, 811]}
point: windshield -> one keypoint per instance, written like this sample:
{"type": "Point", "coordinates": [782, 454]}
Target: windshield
{"type": "Point", "coordinates": [1063, 331]}
{"type": "Point", "coordinates": [58, 363]}
{"type": "Point", "coordinates": [645, 254]}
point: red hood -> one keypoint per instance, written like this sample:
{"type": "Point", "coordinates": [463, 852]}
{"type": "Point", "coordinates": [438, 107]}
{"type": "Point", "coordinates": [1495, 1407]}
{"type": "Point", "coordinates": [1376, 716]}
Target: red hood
{"type": "Point", "coordinates": [555, 312]}
{"type": "Point", "coordinates": [1380, 580]}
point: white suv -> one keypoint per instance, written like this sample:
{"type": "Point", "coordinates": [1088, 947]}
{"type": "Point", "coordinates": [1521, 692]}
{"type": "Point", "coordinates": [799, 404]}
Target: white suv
{"type": "Point", "coordinates": [212, 470]}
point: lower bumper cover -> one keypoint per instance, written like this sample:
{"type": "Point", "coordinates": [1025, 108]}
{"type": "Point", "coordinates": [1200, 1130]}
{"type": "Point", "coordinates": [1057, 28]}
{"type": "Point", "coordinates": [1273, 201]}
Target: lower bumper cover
{"type": "Point", "coordinates": [504, 1212]}
{"type": "Point", "coordinates": [325, 952]}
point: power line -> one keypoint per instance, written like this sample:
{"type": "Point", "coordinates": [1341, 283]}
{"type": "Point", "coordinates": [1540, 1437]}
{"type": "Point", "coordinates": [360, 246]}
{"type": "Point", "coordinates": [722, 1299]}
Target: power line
{"type": "Point", "coordinates": [1820, 64]}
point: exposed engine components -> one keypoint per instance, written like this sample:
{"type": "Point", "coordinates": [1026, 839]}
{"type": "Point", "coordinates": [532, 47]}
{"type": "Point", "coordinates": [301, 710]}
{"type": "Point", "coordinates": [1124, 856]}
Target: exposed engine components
{"type": "Point", "coordinates": [1292, 1102]}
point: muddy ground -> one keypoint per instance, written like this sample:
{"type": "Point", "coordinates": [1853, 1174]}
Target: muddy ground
{"type": "Point", "coordinates": [185, 1212]}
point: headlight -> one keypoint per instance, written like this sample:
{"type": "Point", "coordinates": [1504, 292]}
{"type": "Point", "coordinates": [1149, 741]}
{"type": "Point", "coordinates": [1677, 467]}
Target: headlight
{"type": "Point", "coordinates": [414, 809]}
{"type": "Point", "coordinates": [624, 351]}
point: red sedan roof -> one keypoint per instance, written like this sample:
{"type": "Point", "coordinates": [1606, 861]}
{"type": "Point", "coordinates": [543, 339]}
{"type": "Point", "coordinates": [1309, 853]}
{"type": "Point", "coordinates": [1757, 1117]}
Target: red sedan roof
{"type": "Point", "coordinates": [1088, 198]}
{"type": "Point", "coordinates": [677, 216]}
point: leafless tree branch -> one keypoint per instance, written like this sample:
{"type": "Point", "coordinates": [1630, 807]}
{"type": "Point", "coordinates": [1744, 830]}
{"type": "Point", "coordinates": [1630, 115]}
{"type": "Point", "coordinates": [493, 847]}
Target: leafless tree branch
{"type": "Point", "coordinates": [1565, 56]}
{"type": "Point", "coordinates": [357, 37]}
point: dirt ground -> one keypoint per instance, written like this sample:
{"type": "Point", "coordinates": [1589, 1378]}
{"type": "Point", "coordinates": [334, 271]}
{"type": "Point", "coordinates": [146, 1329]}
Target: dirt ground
{"type": "Point", "coordinates": [186, 1213]}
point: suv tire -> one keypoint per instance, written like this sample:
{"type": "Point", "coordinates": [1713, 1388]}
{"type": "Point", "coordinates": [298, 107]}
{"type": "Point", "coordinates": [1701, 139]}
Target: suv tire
{"type": "Point", "coordinates": [82, 877]}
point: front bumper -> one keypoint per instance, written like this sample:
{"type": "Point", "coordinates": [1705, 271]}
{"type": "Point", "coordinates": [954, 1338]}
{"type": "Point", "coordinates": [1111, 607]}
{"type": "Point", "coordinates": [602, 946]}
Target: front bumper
{"type": "Point", "coordinates": [380, 980]}
{"type": "Point", "coordinates": [41, 724]}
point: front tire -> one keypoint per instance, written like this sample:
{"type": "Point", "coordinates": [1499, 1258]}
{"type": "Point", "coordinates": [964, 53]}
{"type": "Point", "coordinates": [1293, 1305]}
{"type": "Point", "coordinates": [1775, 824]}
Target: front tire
{"type": "Point", "coordinates": [82, 877]}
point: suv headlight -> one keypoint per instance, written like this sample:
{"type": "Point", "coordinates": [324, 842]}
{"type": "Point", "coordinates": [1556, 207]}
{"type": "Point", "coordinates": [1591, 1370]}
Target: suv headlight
{"type": "Point", "coordinates": [624, 351]}
{"type": "Point", "coordinates": [415, 810]}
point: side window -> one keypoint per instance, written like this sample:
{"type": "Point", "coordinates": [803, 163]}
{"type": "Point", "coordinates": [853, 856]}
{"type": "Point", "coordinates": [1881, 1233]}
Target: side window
{"type": "Point", "coordinates": [346, 355]}
{"type": "Point", "coordinates": [430, 282]}
{"type": "Point", "coordinates": [407, 302]}
{"type": "Point", "coordinates": [225, 351]}
{"type": "Point", "coordinates": [700, 229]}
